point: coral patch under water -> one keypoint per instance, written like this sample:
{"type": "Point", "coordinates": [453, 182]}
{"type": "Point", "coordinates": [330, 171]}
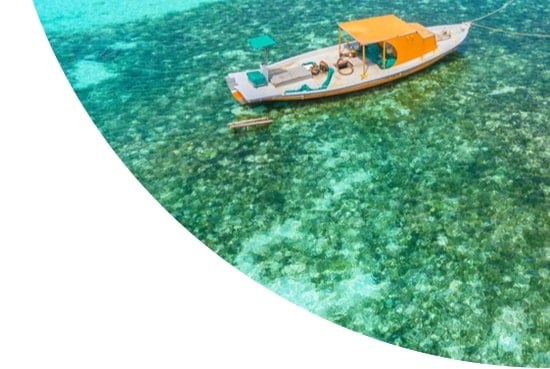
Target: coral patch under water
{"type": "Point", "coordinates": [415, 213]}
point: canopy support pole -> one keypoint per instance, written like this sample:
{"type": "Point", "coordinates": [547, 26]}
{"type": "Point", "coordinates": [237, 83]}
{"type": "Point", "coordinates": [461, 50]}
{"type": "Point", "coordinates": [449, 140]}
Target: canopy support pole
{"type": "Point", "coordinates": [339, 41]}
{"type": "Point", "coordinates": [384, 54]}
{"type": "Point", "coordinates": [266, 53]}
{"type": "Point", "coordinates": [364, 75]}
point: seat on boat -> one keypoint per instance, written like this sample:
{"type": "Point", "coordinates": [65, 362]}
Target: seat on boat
{"type": "Point", "coordinates": [306, 87]}
{"type": "Point", "coordinates": [290, 75]}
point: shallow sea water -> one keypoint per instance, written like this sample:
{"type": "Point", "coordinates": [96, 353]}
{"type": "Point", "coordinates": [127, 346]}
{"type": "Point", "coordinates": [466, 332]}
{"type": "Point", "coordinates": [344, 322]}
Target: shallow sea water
{"type": "Point", "coordinates": [416, 213]}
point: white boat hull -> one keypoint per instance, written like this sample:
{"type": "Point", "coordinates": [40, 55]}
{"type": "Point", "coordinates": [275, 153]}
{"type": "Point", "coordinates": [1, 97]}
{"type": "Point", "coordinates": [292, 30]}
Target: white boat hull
{"type": "Point", "coordinates": [287, 81]}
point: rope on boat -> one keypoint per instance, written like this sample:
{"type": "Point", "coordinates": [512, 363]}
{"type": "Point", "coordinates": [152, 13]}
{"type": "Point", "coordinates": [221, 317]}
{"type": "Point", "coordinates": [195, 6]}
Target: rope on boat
{"type": "Point", "coordinates": [473, 22]}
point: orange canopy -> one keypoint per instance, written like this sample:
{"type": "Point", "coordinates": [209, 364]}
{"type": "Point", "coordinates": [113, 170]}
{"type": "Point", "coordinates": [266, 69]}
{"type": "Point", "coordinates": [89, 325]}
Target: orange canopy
{"type": "Point", "coordinates": [377, 29]}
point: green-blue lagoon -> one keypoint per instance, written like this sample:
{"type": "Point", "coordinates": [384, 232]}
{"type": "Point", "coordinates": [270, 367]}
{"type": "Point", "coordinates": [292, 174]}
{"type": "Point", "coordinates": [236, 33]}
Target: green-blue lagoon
{"type": "Point", "coordinates": [416, 213]}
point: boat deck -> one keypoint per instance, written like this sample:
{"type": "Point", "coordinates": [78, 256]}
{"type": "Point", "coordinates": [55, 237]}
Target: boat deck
{"type": "Point", "coordinates": [292, 74]}
{"type": "Point", "coordinates": [330, 56]}
{"type": "Point", "coordinates": [292, 79]}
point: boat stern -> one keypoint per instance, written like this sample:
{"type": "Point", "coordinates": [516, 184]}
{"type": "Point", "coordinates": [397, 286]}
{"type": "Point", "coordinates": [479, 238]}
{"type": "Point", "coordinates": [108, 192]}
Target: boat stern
{"type": "Point", "coordinates": [231, 82]}
{"type": "Point", "coordinates": [248, 88]}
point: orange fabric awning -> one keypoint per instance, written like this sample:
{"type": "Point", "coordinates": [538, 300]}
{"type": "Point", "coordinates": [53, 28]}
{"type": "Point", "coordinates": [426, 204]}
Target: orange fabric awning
{"type": "Point", "coordinates": [377, 29]}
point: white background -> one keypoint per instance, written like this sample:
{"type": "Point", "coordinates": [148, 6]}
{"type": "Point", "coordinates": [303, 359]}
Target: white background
{"type": "Point", "coordinates": [95, 274]}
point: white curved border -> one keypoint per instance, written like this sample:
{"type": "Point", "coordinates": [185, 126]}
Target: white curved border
{"type": "Point", "coordinates": [94, 272]}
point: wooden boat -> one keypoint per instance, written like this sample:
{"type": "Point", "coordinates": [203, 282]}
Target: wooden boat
{"type": "Point", "coordinates": [382, 49]}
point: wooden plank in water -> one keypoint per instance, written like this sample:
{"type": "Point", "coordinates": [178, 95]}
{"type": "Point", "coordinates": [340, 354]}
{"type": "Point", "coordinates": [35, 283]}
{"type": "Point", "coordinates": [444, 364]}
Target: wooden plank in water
{"type": "Point", "coordinates": [263, 121]}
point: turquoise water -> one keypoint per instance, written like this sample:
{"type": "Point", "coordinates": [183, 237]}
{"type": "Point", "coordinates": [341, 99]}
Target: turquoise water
{"type": "Point", "coordinates": [416, 213]}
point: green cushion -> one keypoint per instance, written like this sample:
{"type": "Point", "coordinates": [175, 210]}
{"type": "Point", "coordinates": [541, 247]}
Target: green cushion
{"type": "Point", "coordinates": [257, 78]}
{"type": "Point", "coordinates": [374, 53]}
{"type": "Point", "coordinates": [307, 88]}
